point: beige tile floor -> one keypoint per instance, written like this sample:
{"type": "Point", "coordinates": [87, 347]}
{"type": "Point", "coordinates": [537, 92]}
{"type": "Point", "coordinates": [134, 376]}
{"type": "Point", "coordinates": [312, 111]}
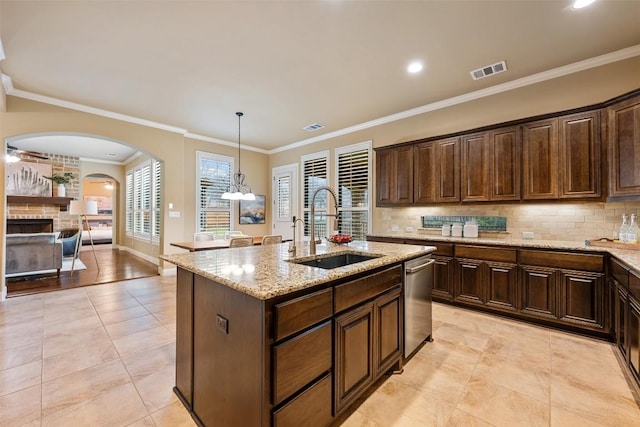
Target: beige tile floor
{"type": "Point", "coordinates": [105, 355]}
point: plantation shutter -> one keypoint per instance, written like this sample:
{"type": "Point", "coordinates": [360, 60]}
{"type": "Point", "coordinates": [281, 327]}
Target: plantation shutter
{"type": "Point", "coordinates": [146, 200]}
{"type": "Point", "coordinates": [314, 170]}
{"type": "Point", "coordinates": [129, 203]}
{"type": "Point", "coordinates": [353, 172]}
{"type": "Point", "coordinates": [214, 213]}
{"type": "Point", "coordinates": [283, 209]}
{"type": "Point", "coordinates": [157, 203]}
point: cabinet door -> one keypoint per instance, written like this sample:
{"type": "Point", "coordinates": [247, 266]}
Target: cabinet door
{"type": "Point", "coordinates": [621, 312]}
{"type": "Point", "coordinates": [475, 167]}
{"type": "Point", "coordinates": [634, 336]}
{"type": "Point", "coordinates": [354, 368]}
{"type": "Point", "coordinates": [388, 337]}
{"type": "Point", "coordinates": [394, 176]}
{"type": "Point", "coordinates": [504, 155]}
{"type": "Point", "coordinates": [470, 281]}
{"type": "Point", "coordinates": [184, 335]}
{"type": "Point", "coordinates": [443, 277]}
{"type": "Point", "coordinates": [623, 133]}
{"type": "Point", "coordinates": [580, 157]}
{"type": "Point", "coordinates": [538, 291]}
{"type": "Point", "coordinates": [424, 184]}
{"type": "Point", "coordinates": [540, 159]}
{"type": "Point", "coordinates": [581, 298]}
{"type": "Point", "coordinates": [448, 170]}
{"type": "Point", "coordinates": [502, 280]}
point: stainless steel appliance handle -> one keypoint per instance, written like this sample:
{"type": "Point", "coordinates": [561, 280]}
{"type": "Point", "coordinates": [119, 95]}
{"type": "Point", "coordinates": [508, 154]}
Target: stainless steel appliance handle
{"type": "Point", "coordinates": [420, 267]}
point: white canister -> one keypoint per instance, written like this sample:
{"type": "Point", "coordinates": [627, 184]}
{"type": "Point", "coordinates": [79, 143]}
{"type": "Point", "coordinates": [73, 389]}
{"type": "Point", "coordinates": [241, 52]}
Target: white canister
{"type": "Point", "coordinates": [470, 229]}
{"type": "Point", "coordinates": [446, 230]}
{"type": "Point", "coordinates": [456, 230]}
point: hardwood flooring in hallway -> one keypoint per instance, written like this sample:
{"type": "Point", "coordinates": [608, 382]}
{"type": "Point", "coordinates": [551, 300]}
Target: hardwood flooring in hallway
{"type": "Point", "coordinates": [115, 266]}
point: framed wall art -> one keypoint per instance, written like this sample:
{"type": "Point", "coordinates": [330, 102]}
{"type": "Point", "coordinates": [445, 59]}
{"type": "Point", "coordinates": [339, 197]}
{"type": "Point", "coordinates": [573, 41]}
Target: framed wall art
{"type": "Point", "coordinates": [253, 211]}
{"type": "Point", "coordinates": [27, 179]}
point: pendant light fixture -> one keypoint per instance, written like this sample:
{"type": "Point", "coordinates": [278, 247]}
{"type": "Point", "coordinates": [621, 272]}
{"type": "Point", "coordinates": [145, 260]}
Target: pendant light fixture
{"type": "Point", "coordinates": [238, 190]}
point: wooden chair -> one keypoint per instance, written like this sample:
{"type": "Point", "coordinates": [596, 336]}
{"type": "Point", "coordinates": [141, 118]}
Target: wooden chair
{"type": "Point", "coordinates": [272, 239]}
{"type": "Point", "coordinates": [203, 235]}
{"type": "Point", "coordinates": [237, 242]}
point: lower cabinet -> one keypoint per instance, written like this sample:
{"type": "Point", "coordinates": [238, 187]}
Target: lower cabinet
{"type": "Point", "coordinates": [621, 308]}
{"type": "Point", "coordinates": [582, 298]}
{"type": "Point", "coordinates": [368, 342]}
{"type": "Point", "coordinates": [470, 283]}
{"type": "Point", "coordinates": [501, 283]}
{"type": "Point", "coordinates": [634, 336]}
{"type": "Point", "coordinates": [538, 291]}
{"type": "Point", "coordinates": [308, 408]}
{"type": "Point", "coordinates": [443, 273]}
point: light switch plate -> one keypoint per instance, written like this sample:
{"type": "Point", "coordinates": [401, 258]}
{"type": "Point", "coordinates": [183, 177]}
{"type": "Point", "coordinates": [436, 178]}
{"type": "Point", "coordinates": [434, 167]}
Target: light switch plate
{"type": "Point", "coordinates": [174, 214]}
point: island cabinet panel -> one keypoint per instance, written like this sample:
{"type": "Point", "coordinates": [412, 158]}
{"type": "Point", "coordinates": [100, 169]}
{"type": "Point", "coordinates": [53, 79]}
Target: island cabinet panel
{"type": "Point", "coordinates": [184, 336]}
{"type": "Point", "coordinates": [359, 290]}
{"type": "Point", "coordinates": [447, 170]}
{"type": "Point", "coordinates": [300, 360]}
{"type": "Point", "coordinates": [299, 313]}
{"type": "Point", "coordinates": [388, 331]}
{"type": "Point", "coordinates": [394, 176]}
{"type": "Point", "coordinates": [354, 369]}
{"type": "Point", "coordinates": [538, 291]}
{"type": "Point", "coordinates": [475, 168]}
{"type": "Point", "coordinates": [505, 160]}
{"type": "Point", "coordinates": [227, 358]}
{"type": "Point", "coordinates": [582, 298]}
{"type": "Point", "coordinates": [540, 160]}
{"type": "Point", "coordinates": [580, 155]}
{"type": "Point", "coordinates": [623, 133]}
{"type": "Point", "coordinates": [424, 178]}
{"type": "Point", "coordinates": [310, 408]}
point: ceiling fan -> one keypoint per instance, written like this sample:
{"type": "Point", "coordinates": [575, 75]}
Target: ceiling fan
{"type": "Point", "coordinates": [15, 150]}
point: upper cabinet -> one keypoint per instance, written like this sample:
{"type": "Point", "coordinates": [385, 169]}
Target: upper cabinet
{"type": "Point", "coordinates": [623, 134]}
{"type": "Point", "coordinates": [424, 175]}
{"type": "Point", "coordinates": [580, 155]}
{"type": "Point", "coordinates": [540, 160]}
{"type": "Point", "coordinates": [394, 176]}
{"type": "Point", "coordinates": [491, 165]}
{"type": "Point", "coordinates": [447, 170]}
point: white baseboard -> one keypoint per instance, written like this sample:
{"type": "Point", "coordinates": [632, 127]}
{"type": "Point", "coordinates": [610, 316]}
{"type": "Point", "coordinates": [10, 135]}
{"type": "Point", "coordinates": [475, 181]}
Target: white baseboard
{"type": "Point", "coordinates": [144, 256]}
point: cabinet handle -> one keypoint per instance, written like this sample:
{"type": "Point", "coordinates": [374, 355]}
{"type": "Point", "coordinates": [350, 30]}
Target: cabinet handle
{"type": "Point", "coordinates": [420, 267]}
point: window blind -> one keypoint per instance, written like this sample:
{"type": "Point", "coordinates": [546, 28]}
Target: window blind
{"type": "Point", "coordinates": [314, 175]}
{"type": "Point", "coordinates": [283, 209]}
{"type": "Point", "coordinates": [214, 178]}
{"type": "Point", "coordinates": [353, 170]}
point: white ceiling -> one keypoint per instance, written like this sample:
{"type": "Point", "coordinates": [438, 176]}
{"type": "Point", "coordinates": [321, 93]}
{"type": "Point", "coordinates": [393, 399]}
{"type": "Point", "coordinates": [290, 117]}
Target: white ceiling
{"type": "Point", "coordinates": [287, 64]}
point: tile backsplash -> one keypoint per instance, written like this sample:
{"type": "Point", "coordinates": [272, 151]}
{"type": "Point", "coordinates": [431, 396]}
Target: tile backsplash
{"type": "Point", "coordinates": [563, 221]}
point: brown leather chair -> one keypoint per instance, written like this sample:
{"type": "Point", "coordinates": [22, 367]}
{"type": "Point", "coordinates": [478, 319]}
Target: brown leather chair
{"type": "Point", "coordinates": [238, 242]}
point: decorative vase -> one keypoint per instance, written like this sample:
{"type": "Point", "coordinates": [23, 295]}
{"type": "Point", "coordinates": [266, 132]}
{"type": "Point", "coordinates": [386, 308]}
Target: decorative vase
{"type": "Point", "coordinates": [62, 192]}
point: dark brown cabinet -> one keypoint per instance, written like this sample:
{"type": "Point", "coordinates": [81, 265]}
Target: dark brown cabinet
{"type": "Point", "coordinates": [447, 170]}
{"type": "Point", "coordinates": [424, 181]}
{"type": "Point", "coordinates": [580, 155]}
{"type": "Point", "coordinates": [470, 281]}
{"type": "Point", "coordinates": [501, 285]}
{"type": "Point", "coordinates": [388, 337]}
{"type": "Point", "coordinates": [443, 273]}
{"type": "Point", "coordinates": [634, 336]}
{"type": "Point", "coordinates": [491, 165]}
{"type": "Point", "coordinates": [394, 177]}
{"type": "Point", "coordinates": [540, 160]}
{"type": "Point", "coordinates": [623, 134]}
{"type": "Point", "coordinates": [582, 298]}
{"type": "Point", "coordinates": [538, 291]}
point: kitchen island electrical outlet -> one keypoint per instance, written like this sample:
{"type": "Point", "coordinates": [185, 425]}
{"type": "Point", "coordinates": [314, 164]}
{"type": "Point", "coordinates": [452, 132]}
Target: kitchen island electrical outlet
{"type": "Point", "coordinates": [222, 324]}
{"type": "Point", "coordinates": [394, 228]}
{"type": "Point", "coordinates": [527, 234]}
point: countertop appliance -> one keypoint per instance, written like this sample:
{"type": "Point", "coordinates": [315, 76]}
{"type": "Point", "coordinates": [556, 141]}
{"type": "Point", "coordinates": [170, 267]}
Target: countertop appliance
{"type": "Point", "coordinates": [418, 283]}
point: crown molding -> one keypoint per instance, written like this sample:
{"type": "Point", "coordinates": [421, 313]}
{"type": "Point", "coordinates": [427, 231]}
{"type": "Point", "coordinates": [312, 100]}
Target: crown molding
{"type": "Point", "coordinates": [554, 73]}
{"type": "Point", "coordinates": [223, 142]}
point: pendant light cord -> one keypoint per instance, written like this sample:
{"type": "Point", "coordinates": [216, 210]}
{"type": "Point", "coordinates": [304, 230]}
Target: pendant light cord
{"type": "Point", "coordinates": [239, 114]}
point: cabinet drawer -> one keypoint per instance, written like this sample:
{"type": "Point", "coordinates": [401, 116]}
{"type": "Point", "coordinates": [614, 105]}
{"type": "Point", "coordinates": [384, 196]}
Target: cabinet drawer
{"type": "Point", "coordinates": [301, 359]}
{"type": "Point", "coordinates": [312, 407]}
{"type": "Point", "coordinates": [486, 253]}
{"type": "Point", "coordinates": [570, 261]}
{"type": "Point", "coordinates": [619, 272]}
{"type": "Point", "coordinates": [357, 291]}
{"type": "Point", "coordinates": [297, 314]}
{"type": "Point", "coordinates": [444, 249]}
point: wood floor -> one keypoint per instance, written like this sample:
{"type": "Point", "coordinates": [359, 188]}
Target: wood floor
{"type": "Point", "coordinates": [115, 265]}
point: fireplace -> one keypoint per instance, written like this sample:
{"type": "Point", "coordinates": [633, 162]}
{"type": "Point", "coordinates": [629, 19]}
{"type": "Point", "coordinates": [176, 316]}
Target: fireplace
{"type": "Point", "coordinates": [29, 225]}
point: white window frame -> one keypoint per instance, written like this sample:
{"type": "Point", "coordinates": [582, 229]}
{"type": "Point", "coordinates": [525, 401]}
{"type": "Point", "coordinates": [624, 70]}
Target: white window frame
{"type": "Point", "coordinates": [201, 155]}
{"type": "Point", "coordinates": [361, 146]}
{"type": "Point", "coordinates": [139, 204]}
{"type": "Point", "coordinates": [306, 209]}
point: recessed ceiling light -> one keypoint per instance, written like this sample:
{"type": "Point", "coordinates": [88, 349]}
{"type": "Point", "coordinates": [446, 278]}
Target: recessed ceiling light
{"type": "Point", "coordinates": [579, 4]}
{"type": "Point", "coordinates": [414, 67]}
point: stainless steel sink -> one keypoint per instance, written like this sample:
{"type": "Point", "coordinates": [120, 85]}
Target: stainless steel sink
{"type": "Point", "coordinates": [335, 261]}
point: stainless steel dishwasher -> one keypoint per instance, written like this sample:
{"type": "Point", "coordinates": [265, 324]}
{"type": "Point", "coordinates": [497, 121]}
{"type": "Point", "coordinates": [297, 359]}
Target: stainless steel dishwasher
{"type": "Point", "coordinates": [418, 282]}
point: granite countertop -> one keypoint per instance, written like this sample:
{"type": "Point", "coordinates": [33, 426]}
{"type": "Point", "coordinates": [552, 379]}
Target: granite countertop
{"type": "Point", "coordinates": [629, 257]}
{"type": "Point", "coordinates": [264, 272]}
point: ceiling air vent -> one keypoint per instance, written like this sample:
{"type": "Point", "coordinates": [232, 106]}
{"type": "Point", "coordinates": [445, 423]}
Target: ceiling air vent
{"type": "Point", "coordinates": [313, 126]}
{"type": "Point", "coordinates": [489, 70]}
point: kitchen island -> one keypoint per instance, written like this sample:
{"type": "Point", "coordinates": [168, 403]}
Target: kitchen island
{"type": "Point", "coordinates": [262, 340]}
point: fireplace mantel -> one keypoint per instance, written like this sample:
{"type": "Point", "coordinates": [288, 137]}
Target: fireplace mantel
{"type": "Point", "coordinates": [63, 202]}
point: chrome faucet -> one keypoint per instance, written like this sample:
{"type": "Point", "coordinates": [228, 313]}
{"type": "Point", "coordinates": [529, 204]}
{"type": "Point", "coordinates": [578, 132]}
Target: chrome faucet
{"type": "Point", "coordinates": [292, 245]}
{"type": "Point", "coordinates": [312, 227]}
